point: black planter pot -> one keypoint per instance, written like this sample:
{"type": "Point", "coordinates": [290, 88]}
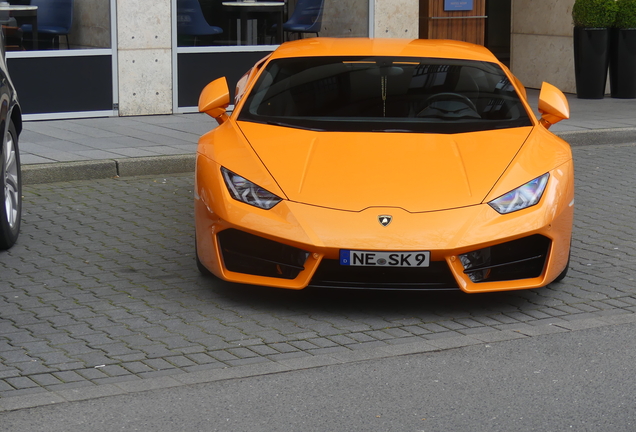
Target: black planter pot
{"type": "Point", "coordinates": [591, 60]}
{"type": "Point", "coordinates": [622, 67]}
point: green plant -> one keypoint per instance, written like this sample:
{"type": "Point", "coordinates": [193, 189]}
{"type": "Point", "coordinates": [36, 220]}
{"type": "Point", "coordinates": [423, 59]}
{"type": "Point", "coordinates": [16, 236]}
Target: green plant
{"type": "Point", "coordinates": [626, 15]}
{"type": "Point", "coordinates": [594, 13]}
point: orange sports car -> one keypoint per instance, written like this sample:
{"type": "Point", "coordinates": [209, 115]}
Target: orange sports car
{"type": "Point", "coordinates": [383, 164]}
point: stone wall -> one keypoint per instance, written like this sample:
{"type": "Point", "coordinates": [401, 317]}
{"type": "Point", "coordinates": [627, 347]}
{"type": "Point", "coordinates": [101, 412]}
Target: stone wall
{"type": "Point", "coordinates": [396, 19]}
{"type": "Point", "coordinates": [541, 43]}
{"type": "Point", "coordinates": [91, 24]}
{"type": "Point", "coordinates": [345, 18]}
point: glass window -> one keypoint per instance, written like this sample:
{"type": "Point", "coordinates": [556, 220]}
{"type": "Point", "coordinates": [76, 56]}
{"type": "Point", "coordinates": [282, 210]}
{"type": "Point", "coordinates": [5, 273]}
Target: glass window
{"type": "Point", "coordinates": [407, 94]}
{"type": "Point", "coordinates": [61, 24]}
{"type": "Point", "coordinates": [261, 22]}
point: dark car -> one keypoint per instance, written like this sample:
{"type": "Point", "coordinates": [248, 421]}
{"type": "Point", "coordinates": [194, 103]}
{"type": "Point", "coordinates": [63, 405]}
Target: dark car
{"type": "Point", "coordinates": [10, 177]}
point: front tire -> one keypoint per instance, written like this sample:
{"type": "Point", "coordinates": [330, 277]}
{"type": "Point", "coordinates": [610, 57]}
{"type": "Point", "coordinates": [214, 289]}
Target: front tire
{"type": "Point", "coordinates": [11, 187]}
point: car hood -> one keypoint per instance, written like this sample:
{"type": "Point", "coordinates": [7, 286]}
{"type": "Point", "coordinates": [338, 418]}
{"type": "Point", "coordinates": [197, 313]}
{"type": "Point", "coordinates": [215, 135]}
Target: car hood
{"type": "Point", "coordinates": [413, 171]}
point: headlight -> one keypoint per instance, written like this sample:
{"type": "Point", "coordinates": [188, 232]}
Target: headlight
{"type": "Point", "coordinates": [245, 191]}
{"type": "Point", "coordinates": [523, 197]}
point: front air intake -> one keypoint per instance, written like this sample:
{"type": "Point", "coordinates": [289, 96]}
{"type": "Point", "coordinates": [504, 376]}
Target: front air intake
{"type": "Point", "coordinates": [250, 254]}
{"type": "Point", "coordinates": [524, 258]}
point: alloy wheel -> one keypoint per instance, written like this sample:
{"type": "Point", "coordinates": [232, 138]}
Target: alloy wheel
{"type": "Point", "coordinates": [11, 182]}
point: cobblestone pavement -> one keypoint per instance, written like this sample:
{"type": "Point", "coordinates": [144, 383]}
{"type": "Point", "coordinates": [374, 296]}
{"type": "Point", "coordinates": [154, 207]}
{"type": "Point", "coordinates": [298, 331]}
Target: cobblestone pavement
{"type": "Point", "coordinates": [101, 295]}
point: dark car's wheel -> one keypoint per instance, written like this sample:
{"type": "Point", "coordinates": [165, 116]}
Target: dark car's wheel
{"type": "Point", "coordinates": [11, 186]}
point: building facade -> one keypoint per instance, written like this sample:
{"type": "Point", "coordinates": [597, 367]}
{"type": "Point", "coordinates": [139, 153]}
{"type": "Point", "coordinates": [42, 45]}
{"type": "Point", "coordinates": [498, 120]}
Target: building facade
{"type": "Point", "coordinates": [142, 57]}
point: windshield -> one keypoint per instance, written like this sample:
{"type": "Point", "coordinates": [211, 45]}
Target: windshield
{"type": "Point", "coordinates": [391, 94]}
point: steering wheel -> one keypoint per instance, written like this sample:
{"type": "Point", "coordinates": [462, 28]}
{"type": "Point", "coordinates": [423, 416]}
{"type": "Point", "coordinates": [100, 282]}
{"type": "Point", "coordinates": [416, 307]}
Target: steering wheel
{"type": "Point", "coordinates": [447, 96]}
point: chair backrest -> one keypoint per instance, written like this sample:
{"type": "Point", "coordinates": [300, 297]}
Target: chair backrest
{"type": "Point", "coordinates": [308, 13]}
{"type": "Point", "coordinates": [54, 13]}
{"type": "Point", "coordinates": [190, 19]}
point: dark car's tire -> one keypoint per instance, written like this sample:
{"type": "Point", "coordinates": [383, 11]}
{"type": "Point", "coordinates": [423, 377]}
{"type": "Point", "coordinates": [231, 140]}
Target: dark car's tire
{"type": "Point", "coordinates": [10, 189]}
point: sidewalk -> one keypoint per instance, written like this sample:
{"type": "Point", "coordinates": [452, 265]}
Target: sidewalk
{"type": "Point", "coordinates": [60, 150]}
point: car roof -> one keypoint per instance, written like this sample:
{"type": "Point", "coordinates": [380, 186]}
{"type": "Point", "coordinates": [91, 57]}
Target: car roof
{"type": "Point", "coordinates": [436, 48]}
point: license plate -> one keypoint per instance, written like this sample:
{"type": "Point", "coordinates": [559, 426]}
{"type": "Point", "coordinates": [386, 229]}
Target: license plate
{"type": "Point", "coordinates": [385, 259]}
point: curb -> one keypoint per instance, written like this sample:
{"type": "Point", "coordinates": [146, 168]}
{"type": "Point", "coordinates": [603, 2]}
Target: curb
{"type": "Point", "coordinates": [599, 136]}
{"type": "Point", "coordinates": [109, 168]}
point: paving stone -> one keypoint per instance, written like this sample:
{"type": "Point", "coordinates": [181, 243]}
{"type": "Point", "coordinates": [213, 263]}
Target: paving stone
{"type": "Point", "coordinates": [201, 358]}
{"type": "Point", "coordinates": [242, 352]}
{"type": "Point", "coordinates": [329, 350]}
{"type": "Point", "coordinates": [16, 394]}
{"type": "Point", "coordinates": [367, 345]}
{"type": "Point", "coordinates": [115, 349]}
{"type": "Point", "coordinates": [8, 372]}
{"type": "Point", "coordinates": [33, 367]}
{"type": "Point", "coordinates": [159, 364]}
{"type": "Point", "coordinates": [247, 361]}
{"type": "Point", "coordinates": [436, 328]}
{"type": "Point", "coordinates": [180, 361]}
{"type": "Point", "coordinates": [465, 322]}
{"type": "Point", "coordinates": [5, 387]}
{"type": "Point", "coordinates": [21, 382]}
{"type": "Point", "coordinates": [223, 356]}
{"type": "Point", "coordinates": [284, 348]}
{"type": "Point", "coordinates": [91, 373]}
{"type": "Point", "coordinates": [114, 370]}
{"type": "Point", "coordinates": [156, 351]}
{"type": "Point", "coordinates": [442, 335]}
{"type": "Point", "coordinates": [54, 358]}
{"type": "Point", "coordinates": [45, 379]}
{"type": "Point", "coordinates": [342, 340]}
{"type": "Point", "coordinates": [305, 345]}
{"type": "Point", "coordinates": [68, 376]}
{"type": "Point", "coordinates": [263, 350]}
{"type": "Point", "coordinates": [323, 342]}
{"type": "Point", "coordinates": [363, 337]}
{"type": "Point", "coordinates": [403, 340]}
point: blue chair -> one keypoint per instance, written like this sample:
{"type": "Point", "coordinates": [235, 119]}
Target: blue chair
{"type": "Point", "coordinates": [307, 17]}
{"type": "Point", "coordinates": [191, 22]}
{"type": "Point", "coordinates": [55, 18]}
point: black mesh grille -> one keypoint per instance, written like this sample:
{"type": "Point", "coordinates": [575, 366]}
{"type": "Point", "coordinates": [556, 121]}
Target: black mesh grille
{"type": "Point", "coordinates": [331, 274]}
{"type": "Point", "coordinates": [524, 258]}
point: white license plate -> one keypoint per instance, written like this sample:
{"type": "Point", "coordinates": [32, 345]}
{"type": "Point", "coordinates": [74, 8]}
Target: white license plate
{"type": "Point", "coordinates": [385, 259]}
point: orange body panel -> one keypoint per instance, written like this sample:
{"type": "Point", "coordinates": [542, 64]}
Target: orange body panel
{"type": "Point", "coordinates": [435, 186]}
{"type": "Point", "coordinates": [323, 232]}
{"type": "Point", "coordinates": [389, 170]}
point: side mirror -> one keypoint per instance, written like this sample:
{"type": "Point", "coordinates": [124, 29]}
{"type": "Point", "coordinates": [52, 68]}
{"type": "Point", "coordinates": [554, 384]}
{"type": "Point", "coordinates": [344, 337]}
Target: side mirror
{"type": "Point", "coordinates": [553, 105]}
{"type": "Point", "coordinates": [214, 100]}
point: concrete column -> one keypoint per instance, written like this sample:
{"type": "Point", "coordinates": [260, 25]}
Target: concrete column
{"type": "Point", "coordinates": [145, 60]}
{"type": "Point", "coordinates": [91, 24]}
{"type": "Point", "coordinates": [345, 18]}
{"type": "Point", "coordinates": [396, 19]}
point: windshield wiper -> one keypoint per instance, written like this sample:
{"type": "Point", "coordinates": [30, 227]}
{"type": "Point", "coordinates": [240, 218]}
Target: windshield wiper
{"type": "Point", "coordinates": [294, 126]}
{"type": "Point", "coordinates": [392, 130]}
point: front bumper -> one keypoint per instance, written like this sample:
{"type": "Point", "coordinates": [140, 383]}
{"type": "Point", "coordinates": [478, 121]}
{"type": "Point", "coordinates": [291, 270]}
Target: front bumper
{"type": "Point", "coordinates": [473, 249]}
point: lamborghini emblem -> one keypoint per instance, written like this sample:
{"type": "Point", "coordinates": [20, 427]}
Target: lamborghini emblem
{"type": "Point", "coordinates": [385, 219]}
